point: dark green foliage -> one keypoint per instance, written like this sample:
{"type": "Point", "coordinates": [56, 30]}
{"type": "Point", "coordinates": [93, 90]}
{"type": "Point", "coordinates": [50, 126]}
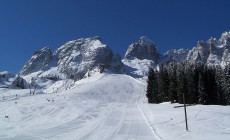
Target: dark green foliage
{"type": "Point", "coordinates": [190, 83]}
{"type": "Point", "coordinates": [163, 83]}
{"type": "Point", "coordinates": [152, 87]}
{"type": "Point", "coordinates": [203, 96]}
{"type": "Point", "coordinates": [198, 82]}
{"type": "Point", "coordinates": [172, 89]}
{"type": "Point", "coordinates": [181, 81]}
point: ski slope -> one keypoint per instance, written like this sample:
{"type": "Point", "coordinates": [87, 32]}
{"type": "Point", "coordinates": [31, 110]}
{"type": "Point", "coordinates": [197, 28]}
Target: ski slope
{"type": "Point", "coordinates": [103, 107]}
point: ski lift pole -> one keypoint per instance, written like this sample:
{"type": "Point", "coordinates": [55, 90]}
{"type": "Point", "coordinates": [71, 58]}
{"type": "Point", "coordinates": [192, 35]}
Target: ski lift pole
{"type": "Point", "coordinates": [185, 113]}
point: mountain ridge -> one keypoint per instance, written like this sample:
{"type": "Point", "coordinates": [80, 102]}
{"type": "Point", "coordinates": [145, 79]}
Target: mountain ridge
{"type": "Point", "coordinates": [83, 57]}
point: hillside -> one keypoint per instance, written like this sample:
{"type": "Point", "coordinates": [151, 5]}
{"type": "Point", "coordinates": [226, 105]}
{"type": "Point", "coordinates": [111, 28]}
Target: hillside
{"type": "Point", "coordinates": [104, 106]}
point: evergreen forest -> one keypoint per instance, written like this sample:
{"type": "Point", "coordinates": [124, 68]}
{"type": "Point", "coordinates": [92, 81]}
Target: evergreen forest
{"type": "Point", "coordinates": [200, 83]}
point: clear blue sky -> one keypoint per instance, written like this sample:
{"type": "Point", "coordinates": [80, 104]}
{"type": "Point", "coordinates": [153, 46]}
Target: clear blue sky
{"type": "Point", "coordinates": [29, 25]}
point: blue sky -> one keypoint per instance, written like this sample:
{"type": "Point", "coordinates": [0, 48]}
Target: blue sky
{"type": "Point", "coordinates": [29, 25]}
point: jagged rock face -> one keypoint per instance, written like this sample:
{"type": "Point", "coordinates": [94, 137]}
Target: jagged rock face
{"type": "Point", "coordinates": [140, 56]}
{"type": "Point", "coordinates": [212, 52]}
{"type": "Point", "coordinates": [116, 64]}
{"type": "Point", "coordinates": [225, 39]}
{"type": "Point", "coordinates": [175, 56]}
{"type": "Point", "coordinates": [19, 82]}
{"type": "Point", "coordinates": [40, 60]}
{"type": "Point", "coordinates": [144, 49]}
{"type": "Point", "coordinates": [76, 57]}
{"type": "Point", "coordinates": [201, 51]}
{"type": "Point", "coordinates": [226, 57]}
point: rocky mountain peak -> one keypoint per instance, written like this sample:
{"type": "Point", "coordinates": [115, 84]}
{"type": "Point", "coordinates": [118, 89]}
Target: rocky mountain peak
{"type": "Point", "coordinates": [79, 56]}
{"type": "Point", "coordinates": [39, 61]}
{"type": "Point", "coordinates": [74, 59]}
{"type": "Point", "coordinates": [144, 40]}
{"type": "Point", "coordinates": [144, 49]}
{"type": "Point", "coordinates": [214, 51]}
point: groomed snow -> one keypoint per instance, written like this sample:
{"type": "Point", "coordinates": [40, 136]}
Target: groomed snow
{"type": "Point", "coordinates": [104, 107]}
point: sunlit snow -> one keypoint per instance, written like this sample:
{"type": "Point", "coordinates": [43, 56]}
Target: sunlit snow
{"type": "Point", "coordinates": [104, 107]}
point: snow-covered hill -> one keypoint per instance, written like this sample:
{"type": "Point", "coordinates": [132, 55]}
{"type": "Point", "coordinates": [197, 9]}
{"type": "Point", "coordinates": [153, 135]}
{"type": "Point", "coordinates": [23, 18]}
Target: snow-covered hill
{"type": "Point", "coordinates": [103, 106]}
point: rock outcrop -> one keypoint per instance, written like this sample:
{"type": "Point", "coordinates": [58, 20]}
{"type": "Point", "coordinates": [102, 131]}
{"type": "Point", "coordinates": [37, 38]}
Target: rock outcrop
{"type": "Point", "coordinates": [41, 60]}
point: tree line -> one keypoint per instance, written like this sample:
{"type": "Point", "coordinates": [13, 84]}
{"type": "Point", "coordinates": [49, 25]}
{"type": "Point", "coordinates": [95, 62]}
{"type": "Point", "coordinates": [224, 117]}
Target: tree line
{"type": "Point", "coordinates": [200, 83]}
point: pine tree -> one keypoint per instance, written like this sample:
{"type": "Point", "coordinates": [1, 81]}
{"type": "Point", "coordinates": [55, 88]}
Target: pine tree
{"type": "Point", "coordinates": [172, 91]}
{"type": "Point", "coordinates": [155, 94]}
{"type": "Point", "coordinates": [211, 85]}
{"type": "Point", "coordinates": [163, 83]}
{"type": "Point", "coordinates": [221, 86]}
{"type": "Point", "coordinates": [152, 87]}
{"type": "Point", "coordinates": [197, 69]}
{"type": "Point", "coordinates": [181, 86]}
{"type": "Point", "coordinates": [189, 77]}
{"type": "Point", "coordinates": [227, 86]}
{"type": "Point", "coordinates": [203, 96]}
{"type": "Point", "coordinates": [149, 93]}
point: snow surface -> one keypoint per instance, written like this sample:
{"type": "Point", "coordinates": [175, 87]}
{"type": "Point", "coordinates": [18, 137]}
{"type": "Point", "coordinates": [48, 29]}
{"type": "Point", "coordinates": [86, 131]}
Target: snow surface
{"type": "Point", "coordinates": [138, 68]}
{"type": "Point", "coordinates": [104, 107]}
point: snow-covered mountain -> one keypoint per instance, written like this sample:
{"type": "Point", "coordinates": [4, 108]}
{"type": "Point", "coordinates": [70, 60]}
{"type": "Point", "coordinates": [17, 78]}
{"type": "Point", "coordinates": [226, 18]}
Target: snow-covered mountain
{"type": "Point", "coordinates": [104, 105]}
{"type": "Point", "coordinates": [40, 60]}
{"type": "Point", "coordinates": [213, 52]}
{"type": "Point", "coordinates": [144, 49]}
{"type": "Point", "coordinates": [174, 56]}
{"type": "Point", "coordinates": [142, 55]}
{"type": "Point", "coordinates": [73, 59]}
{"type": "Point", "coordinates": [83, 57]}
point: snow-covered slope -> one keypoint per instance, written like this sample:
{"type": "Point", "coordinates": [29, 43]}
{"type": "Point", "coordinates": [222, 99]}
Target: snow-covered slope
{"type": "Point", "coordinates": [99, 107]}
{"type": "Point", "coordinates": [104, 106]}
